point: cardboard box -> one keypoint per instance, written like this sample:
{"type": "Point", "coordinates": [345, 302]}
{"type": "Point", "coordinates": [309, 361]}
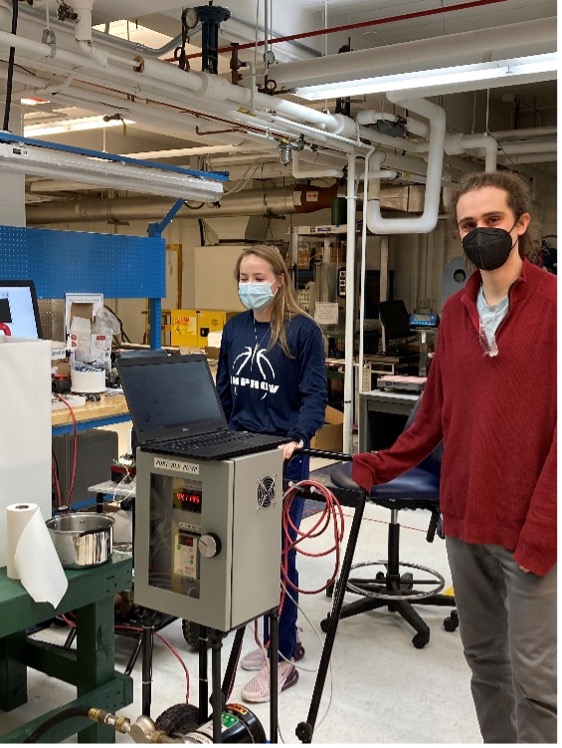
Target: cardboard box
{"type": "Point", "coordinates": [330, 436]}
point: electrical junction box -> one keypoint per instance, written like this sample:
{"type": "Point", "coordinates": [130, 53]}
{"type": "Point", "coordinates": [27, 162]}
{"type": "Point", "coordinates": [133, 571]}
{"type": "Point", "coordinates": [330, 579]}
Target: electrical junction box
{"type": "Point", "coordinates": [208, 536]}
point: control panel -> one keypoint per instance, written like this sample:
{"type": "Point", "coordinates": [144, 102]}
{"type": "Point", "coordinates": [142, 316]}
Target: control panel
{"type": "Point", "coordinates": [428, 321]}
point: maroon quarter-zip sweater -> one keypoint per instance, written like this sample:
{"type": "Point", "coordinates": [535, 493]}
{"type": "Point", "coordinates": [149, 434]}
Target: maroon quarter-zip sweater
{"type": "Point", "coordinates": [497, 419]}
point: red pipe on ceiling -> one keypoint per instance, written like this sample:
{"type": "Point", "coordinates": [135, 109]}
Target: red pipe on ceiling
{"type": "Point", "coordinates": [351, 26]}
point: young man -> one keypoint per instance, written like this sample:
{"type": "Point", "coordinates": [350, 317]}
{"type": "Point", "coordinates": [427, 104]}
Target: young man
{"type": "Point", "coordinates": [491, 398]}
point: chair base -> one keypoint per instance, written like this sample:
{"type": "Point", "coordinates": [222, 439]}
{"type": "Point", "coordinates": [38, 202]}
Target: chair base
{"type": "Point", "coordinates": [397, 592]}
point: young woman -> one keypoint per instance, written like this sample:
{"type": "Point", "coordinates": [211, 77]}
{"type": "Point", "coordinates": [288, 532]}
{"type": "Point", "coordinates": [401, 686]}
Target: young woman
{"type": "Point", "coordinates": [491, 397]}
{"type": "Point", "coordinates": [271, 378]}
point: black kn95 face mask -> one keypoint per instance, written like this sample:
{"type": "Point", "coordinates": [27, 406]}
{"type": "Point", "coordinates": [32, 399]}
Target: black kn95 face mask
{"type": "Point", "coordinates": [488, 248]}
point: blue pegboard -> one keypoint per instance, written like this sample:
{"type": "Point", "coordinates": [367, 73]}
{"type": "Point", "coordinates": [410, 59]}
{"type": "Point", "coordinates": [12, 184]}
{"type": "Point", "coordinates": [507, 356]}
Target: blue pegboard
{"type": "Point", "coordinates": [60, 262]}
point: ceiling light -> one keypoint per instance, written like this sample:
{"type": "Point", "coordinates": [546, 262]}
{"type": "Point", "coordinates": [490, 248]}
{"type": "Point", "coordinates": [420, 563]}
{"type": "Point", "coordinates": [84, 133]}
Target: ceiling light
{"type": "Point", "coordinates": [38, 161]}
{"type": "Point", "coordinates": [443, 80]}
{"type": "Point", "coordinates": [73, 125]}
{"type": "Point", "coordinates": [33, 101]}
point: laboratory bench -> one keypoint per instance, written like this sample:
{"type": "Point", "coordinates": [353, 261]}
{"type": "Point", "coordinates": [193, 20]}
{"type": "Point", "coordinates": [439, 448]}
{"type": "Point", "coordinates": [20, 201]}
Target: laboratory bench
{"type": "Point", "coordinates": [111, 408]}
{"type": "Point", "coordinates": [90, 667]}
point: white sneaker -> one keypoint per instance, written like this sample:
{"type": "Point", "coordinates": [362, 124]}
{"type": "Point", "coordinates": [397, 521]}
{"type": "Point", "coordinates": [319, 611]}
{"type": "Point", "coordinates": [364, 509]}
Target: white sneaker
{"type": "Point", "coordinates": [257, 691]}
{"type": "Point", "coordinates": [254, 660]}
{"type": "Point", "coordinates": [257, 658]}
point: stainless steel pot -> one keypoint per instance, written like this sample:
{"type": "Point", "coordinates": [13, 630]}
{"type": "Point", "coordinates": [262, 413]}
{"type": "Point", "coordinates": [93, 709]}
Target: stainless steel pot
{"type": "Point", "coordinates": [82, 539]}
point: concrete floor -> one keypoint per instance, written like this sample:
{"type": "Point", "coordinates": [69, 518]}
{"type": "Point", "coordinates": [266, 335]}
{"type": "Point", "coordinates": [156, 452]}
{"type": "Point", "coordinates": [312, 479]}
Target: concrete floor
{"type": "Point", "coordinates": [381, 689]}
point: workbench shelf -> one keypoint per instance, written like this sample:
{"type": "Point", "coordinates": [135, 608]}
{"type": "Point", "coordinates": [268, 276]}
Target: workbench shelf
{"type": "Point", "coordinates": [90, 667]}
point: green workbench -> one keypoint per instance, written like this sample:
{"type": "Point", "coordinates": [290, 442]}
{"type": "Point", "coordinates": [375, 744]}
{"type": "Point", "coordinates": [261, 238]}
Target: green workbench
{"type": "Point", "coordinates": [90, 667]}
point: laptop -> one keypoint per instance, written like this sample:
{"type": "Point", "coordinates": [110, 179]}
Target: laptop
{"type": "Point", "coordinates": [19, 313]}
{"type": "Point", "coordinates": [175, 409]}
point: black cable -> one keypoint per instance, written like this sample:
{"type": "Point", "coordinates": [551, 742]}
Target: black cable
{"type": "Point", "coordinates": [62, 716]}
{"type": "Point", "coordinates": [9, 82]}
{"type": "Point", "coordinates": [123, 333]}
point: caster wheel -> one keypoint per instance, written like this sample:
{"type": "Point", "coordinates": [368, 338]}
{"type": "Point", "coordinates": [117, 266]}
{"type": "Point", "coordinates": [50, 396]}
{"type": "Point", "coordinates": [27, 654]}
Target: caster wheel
{"type": "Point", "coordinates": [380, 576]}
{"type": "Point", "coordinates": [178, 720]}
{"type": "Point", "coordinates": [451, 623]}
{"type": "Point", "coordinates": [191, 632]}
{"type": "Point", "coordinates": [420, 641]}
{"type": "Point", "coordinates": [324, 624]}
{"type": "Point", "coordinates": [407, 581]}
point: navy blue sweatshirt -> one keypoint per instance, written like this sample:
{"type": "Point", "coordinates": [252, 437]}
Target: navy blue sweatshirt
{"type": "Point", "coordinates": [263, 390]}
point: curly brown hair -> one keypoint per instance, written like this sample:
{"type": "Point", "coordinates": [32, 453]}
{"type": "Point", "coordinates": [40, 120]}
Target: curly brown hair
{"type": "Point", "coordinates": [518, 198]}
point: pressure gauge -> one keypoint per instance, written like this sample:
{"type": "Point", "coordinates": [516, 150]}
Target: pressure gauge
{"type": "Point", "coordinates": [191, 17]}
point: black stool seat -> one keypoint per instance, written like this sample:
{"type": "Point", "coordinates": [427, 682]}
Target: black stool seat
{"type": "Point", "coordinates": [417, 488]}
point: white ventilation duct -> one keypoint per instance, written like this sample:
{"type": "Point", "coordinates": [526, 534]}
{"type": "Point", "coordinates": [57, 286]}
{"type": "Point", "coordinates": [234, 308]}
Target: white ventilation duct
{"type": "Point", "coordinates": [428, 220]}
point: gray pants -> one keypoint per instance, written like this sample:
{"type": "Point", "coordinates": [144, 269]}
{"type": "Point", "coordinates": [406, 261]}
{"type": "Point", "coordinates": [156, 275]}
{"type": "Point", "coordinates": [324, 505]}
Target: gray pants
{"type": "Point", "coordinates": [508, 630]}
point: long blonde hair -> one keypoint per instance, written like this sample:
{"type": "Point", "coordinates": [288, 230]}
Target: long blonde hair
{"type": "Point", "coordinates": [284, 306]}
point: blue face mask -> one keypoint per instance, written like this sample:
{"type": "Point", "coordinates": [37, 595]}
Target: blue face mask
{"type": "Point", "coordinates": [255, 295]}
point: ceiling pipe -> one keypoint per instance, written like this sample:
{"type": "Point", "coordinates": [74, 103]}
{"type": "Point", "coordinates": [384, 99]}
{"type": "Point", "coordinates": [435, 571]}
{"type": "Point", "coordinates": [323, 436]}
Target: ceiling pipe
{"type": "Point", "coordinates": [301, 170]}
{"type": "Point", "coordinates": [524, 132]}
{"type": "Point", "coordinates": [537, 158]}
{"type": "Point", "coordinates": [458, 143]}
{"type": "Point", "coordinates": [152, 78]}
{"type": "Point", "coordinates": [529, 37]}
{"type": "Point", "coordinates": [251, 202]}
{"type": "Point", "coordinates": [428, 220]}
{"type": "Point", "coordinates": [355, 26]}
{"type": "Point", "coordinates": [527, 147]}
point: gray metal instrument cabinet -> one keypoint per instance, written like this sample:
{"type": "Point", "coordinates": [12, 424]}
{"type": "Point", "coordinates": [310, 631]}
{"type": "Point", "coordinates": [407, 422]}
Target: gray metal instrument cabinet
{"type": "Point", "coordinates": [208, 536]}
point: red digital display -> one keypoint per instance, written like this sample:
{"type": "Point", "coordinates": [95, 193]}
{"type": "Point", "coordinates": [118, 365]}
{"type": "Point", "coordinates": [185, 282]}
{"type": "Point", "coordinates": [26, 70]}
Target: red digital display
{"type": "Point", "coordinates": [188, 499]}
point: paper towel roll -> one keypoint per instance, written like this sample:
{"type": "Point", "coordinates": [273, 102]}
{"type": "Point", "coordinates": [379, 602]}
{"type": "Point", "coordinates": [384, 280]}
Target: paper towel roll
{"type": "Point", "coordinates": [32, 556]}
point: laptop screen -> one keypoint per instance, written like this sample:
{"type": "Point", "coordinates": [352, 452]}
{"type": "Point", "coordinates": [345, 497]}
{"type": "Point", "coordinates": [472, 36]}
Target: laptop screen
{"type": "Point", "coordinates": [19, 314]}
{"type": "Point", "coordinates": [169, 397]}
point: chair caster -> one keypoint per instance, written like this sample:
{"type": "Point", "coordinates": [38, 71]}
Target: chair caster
{"type": "Point", "coordinates": [451, 623]}
{"type": "Point", "coordinates": [324, 624]}
{"type": "Point", "coordinates": [419, 641]}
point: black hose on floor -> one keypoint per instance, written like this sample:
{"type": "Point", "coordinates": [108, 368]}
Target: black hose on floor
{"type": "Point", "coordinates": [62, 716]}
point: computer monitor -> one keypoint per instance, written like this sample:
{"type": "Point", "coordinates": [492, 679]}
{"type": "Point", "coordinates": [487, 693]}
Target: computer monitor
{"type": "Point", "coordinates": [395, 319]}
{"type": "Point", "coordinates": [19, 314]}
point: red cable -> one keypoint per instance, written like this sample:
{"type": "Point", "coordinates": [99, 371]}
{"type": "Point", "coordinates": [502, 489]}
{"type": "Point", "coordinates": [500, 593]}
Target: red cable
{"type": "Point", "coordinates": [57, 484]}
{"type": "Point", "coordinates": [332, 514]}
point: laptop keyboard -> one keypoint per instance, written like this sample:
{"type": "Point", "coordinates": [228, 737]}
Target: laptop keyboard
{"type": "Point", "coordinates": [209, 440]}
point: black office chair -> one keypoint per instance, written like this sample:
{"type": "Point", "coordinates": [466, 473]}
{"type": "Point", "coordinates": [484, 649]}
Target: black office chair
{"type": "Point", "coordinates": [400, 590]}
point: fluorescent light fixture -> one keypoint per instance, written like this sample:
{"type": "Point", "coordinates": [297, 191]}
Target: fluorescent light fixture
{"type": "Point", "coordinates": [32, 160]}
{"type": "Point", "coordinates": [442, 80]}
{"type": "Point", "coordinates": [33, 101]}
{"type": "Point", "coordinates": [73, 125]}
